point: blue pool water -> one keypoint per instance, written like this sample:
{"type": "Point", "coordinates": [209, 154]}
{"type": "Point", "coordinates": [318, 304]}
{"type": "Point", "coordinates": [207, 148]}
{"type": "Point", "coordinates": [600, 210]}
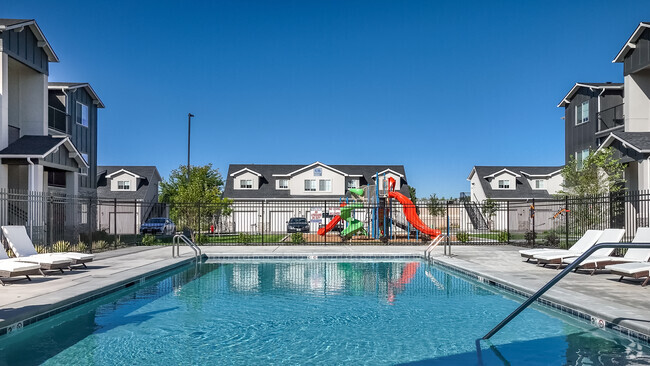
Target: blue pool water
{"type": "Point", "coordinates": [312, 312]}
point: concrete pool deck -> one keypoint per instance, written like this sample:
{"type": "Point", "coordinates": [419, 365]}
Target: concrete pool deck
{"type": "Point", "coordinates": [620, 303]}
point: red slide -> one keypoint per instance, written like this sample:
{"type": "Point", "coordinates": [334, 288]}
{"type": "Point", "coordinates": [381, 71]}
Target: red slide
{"type": "Point", "coordinates": [330, 225]}
{"type": "Point", "coordinates": [412, 216]}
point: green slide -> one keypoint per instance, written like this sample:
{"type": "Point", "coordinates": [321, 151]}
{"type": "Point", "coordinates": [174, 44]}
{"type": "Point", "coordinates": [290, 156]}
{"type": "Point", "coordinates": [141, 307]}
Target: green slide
{"type": "Point", "coordinates": [354, 225]}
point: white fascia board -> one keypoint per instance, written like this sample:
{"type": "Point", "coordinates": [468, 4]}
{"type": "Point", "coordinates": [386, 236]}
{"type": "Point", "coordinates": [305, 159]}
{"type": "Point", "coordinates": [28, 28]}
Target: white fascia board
{"type": "Point", "coordinates": [501, 171]}
{"type": "Point", "coordinates": [280, 175]}
{"type": "Point", "coordinates": [89, 90]}
{"type": "Point", "coordinates": [123, 171]}
{"type": "Point", "coordinates": [51, 56]}
{"type": "Point", "coordinates": [567, 98]}
{"type": "Point", "coordinates": [318, 163]}
{"type": "Point", "coordinates": [245, 170]}
{"type": "Point", "coordinates": [390, 171]}
{"type": "Point", "coordinates": [542, 175]}
{"type": "Point", "coordinates": [471, 174]}
{"type": "Point", "coordinates": [355, 175]}
{"type": "Point", "coordinates": [608, 141]}
{"type": "Point", "coordinates": [631, 42]}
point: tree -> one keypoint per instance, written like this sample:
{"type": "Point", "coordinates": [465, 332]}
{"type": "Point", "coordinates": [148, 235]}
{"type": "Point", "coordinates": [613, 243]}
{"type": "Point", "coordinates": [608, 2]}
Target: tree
{"type": "Point", "coordinates": [437, 206]}
{"type": "Point", "coordinates": [489, 208]}
{"type": "Point", "coordinates": [195, 203]}
{"type": "Point", "coordinates": [598, 174]}
{"type": "Point", "coordinates": [414, 199]}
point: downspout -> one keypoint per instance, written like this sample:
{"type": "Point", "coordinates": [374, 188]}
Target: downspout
{"type": "Point", "coordinates": [30, 189]}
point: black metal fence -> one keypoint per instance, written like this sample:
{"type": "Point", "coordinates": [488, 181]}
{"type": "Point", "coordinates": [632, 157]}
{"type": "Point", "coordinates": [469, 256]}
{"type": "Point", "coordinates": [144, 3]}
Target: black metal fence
{"type": "Point", "coordinates": [94, 224]}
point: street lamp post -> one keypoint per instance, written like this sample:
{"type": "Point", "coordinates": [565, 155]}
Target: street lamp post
{"type": "Point", "coordinates": [189, 124]}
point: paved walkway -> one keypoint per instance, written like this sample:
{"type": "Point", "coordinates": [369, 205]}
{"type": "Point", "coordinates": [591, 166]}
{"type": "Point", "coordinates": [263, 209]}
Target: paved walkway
{"type": "Point", "coordinates": [625, 303]}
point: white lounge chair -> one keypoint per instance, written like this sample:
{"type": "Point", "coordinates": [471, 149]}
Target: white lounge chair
{"type": "Point", "coordinates": [23, 248]}
{"type": "Point", "coordinates": [608, 236]}
{"type": "Point", "coordinates": [633, 255]}
{"type": "Point", "coordinates": [634, 270]}
{"type": "Point", "coordinates": [585, 242]}
{"type": "Point", "coordinates": [9, 267]}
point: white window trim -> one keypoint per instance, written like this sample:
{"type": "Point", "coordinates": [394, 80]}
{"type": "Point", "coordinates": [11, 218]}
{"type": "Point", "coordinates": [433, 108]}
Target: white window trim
{"type": "Point", "coordinates": [534, 185]}
{"type": "Point", "coordinates": [355, 181]}
{"type": "Point", "coordinates": [503, 180]}
{"type": "Point", "coordinates": [581, 122]}
{"type": "Point", "coordinates": [279, 187]}
{"type": "Point", "coordinates": [315, 185]}
{"type": "Point", "coordinates": [241, 183]}
{"type": "Point", "coordinates": [81, 117]}
{"type": "Point", "coordinates": [325, 180]}
{"type": "Point", "coordinates": [125, 187]}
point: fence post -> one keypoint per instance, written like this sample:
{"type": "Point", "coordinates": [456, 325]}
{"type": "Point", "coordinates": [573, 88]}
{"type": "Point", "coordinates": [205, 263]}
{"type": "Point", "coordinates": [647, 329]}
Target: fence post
{"type": "Point", "coordinates": [90, 232]}
{"type": "Point", "coordinates": [448, 241]}
{"type": "Point", "coordinates": [135, 218]}
{"type": "Point", "coordinates": [199, 225]}
{"type": "Point", "coordinates": [566, 220]}
{"type": "Point", "coordinates": [263, 222]}
{"type": "Point", "coordinates": [508, 222]}
{"type": "Point", "coordinates": [324, 218]}
{"type": "Point", "coordinates": [115, 222]}
{"type": "Point", "coordinates": [534, 232]}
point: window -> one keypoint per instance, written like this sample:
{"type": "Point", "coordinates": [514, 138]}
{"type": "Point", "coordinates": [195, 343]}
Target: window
{"type": "Point", "coordinates": [353, 183]}
{"type": "Point", "coordinates": [539, 184]}
{"type": "Point", "coordinates": [310, 185]}
{"type": "Point", "coordinates": [56, 178]}
{"type": "Point", "coordinates": [582, 113]}
{"type": "Point", "coordinates": [84, 213]}
{"type": "Point", "coordinates": [246, 183]}
{"type": "Point", "coordinates": [283, 183]}
{"type": "Point", "coordinates": [82, 114]}
{"type": "Point", "coordinates": [581, 156]}
{"type": "Point", "coordinates": [325, 185]}
{"type": "Point", "coordinates": [84, 170]}
{"type": "Point", "coordinates": [123, 185]}
{"type": "Point", "coordinates": [504, 184]}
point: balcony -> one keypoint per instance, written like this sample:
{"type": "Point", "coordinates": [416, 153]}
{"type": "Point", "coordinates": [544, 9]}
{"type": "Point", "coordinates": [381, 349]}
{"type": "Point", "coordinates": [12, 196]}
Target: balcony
{"type": "Point", "coordinates": [57, 119]}
{"type": "Point", "coordinates": [611, 118]}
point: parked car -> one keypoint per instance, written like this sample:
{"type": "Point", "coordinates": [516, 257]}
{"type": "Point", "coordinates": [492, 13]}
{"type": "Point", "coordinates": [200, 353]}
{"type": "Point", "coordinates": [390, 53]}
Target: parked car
{"type": "Point", "coordinates": [297, 225]}
{"type": "Point", "coordinates": [158, 225]}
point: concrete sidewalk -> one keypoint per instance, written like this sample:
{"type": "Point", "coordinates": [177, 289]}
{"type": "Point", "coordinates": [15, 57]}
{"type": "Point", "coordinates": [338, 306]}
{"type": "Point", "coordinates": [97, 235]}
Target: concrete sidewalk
{"type": "Point", "coordinates": [625, 303]}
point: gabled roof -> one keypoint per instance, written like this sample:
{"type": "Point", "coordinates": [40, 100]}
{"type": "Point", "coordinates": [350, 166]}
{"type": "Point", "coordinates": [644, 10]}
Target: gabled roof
{"type": "Point", "coordinates": [523, 189]}
{"type": "Point", "coordinates": [111, 175]}
{"type": "Point", "coordinates": [390, 171]}
{"type": "Point", "coordinates": [631, 42]}
{"type": "Point", "coordinates": [68, 86]}
{"type": "Point", "coordinates": [38, 147]}
{"type": "Point", "coordinates": [149, 179]}
{"type": "Point", "coordinates": [309, 167]}
{"type": "Point", "coordinates": [504, 170]}
{"type": "Point", "coordinates": [245, 170]}
{"type": "Point", "coordinates": [273, 172]}
{"type": "Point", "coordinates": [9, 24]}
{"type": "Point", "coordinates": [638, 141]}
{"type": "Point", "coordinates": [567, 98]}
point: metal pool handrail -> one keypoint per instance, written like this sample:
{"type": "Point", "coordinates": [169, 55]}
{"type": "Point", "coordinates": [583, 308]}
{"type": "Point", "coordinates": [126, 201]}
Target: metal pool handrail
{"type": "Point", "coordinates": [176, 244]}
{"type": "Point", "coordinates": [434, 243]}
{"type": "Point", "coordinates": [557, 278]}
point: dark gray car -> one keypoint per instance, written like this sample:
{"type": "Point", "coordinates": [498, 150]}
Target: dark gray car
{"type": "Point", "coordinates": [297, 225]}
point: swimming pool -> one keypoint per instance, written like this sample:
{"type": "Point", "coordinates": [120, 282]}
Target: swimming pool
{"type": "Point", "coordinates": [310, 312]}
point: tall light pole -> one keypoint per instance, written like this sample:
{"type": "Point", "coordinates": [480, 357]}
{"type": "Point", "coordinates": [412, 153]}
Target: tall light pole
{"type": "Point", "coordinates": [189, 124]}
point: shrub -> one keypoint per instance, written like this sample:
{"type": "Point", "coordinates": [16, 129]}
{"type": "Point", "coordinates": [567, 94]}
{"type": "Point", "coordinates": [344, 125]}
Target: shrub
{"type": "Point", "coordinates": [462, 237]}
{"type": "Point", "coordinates": [148, 239]}
{"type": "Point", "coordinates": [61, 246]}
{"type": "Point", "coordinates": [552, 239]}
{"type": "Point", "coordinates": [503, 236]}
{"type": "Point", "coordinates": [245, 238]}
{"type": "Point", "coordinates": [41, 249]}
{"type": "Point", "coordinates": [99, 235]}
{"type": "Point", "coordinates": [297, 238]}
{"type": "Point", "coordinates": [100, 245]}
{"type": "Point", "coordinates": [81, 247]}
{"type": "Point", "coordinates": [530, 237]}
{"type": "Point", "coordinates": [201, 239]}
{"type": "Point", "coordinates": [10, 253]}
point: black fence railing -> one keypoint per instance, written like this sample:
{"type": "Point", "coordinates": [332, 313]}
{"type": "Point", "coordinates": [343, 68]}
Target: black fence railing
{"type": "Point", "coordinates": [610, 118]}
{"type": "Point", "coordinates": [95, 224]}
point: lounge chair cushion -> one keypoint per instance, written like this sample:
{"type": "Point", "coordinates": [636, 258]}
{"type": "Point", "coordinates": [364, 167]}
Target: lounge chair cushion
{"type": "Point", "coordinates": [608, 236]}
{"type": "Point", "coordinates": [629, 268]}
{"type": "Point", "coordinates": [584, 243]}
{"type": "Point", "coordinates": [15, 266]}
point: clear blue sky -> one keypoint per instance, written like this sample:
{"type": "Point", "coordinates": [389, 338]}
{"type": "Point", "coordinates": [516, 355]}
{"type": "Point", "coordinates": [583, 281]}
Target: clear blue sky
{"type": "Point", "coordinates": [436, 86]}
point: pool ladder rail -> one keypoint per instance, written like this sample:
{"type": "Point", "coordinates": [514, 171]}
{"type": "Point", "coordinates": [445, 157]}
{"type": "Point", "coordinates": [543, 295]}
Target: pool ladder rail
{"type": "Point", "coordinates": [434, 243]}
{"type": "Point", "coordinates": [176, 243]}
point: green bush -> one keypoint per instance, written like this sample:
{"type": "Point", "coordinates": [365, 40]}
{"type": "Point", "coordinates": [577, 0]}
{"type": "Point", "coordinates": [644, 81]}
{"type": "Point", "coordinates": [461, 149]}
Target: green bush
{"type": "Point", "coordinates": [297, 238]}
{"type": "Point", "coordinates": [99, 235]}
{"type": "Point", "coordinates": [530, 237]}
{"type": "Point", "coordinates": [462, 237]}
{"type": "Point", "coordinates": [41, 249]}
{"type": "Point", "coordinates": [201, 239]}
{"type": "Point", "coordinates": [81, 247]}
{"type": "Point", "coordinates": [61, 246]}
{"type": "Point", "coordinates": [101, 245]}
{"type": "Point", "coordinates": [552, 239]}
{"type": "Point", "coordinates": [245, 238]}
{"type": "Point", "coordinates": [503, 236]}
{"type": "Point", "coordinates": [148, 239]}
